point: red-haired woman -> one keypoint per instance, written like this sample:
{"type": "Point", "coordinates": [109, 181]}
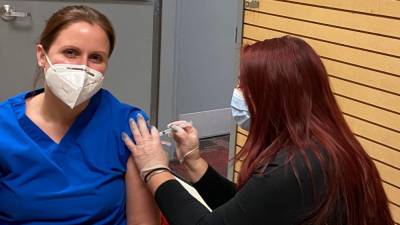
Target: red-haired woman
{"type": "Point", "coordinates": [301, 162]}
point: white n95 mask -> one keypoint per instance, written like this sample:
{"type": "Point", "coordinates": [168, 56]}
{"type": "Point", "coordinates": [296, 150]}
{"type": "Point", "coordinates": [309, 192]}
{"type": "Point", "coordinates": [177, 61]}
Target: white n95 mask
{"type": "Point", "coordinates": [73, 84]}
{"type": "Point", "coordinates": [240, 112]}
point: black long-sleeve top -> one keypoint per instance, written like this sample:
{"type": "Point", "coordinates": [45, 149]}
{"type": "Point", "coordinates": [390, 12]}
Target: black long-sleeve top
{"type": "Point", "coordinates": [275, 197]}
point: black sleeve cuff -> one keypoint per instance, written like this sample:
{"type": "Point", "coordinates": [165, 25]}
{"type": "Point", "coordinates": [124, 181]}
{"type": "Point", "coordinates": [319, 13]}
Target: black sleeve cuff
{"type": "Point", "coordinates": [177, 205]}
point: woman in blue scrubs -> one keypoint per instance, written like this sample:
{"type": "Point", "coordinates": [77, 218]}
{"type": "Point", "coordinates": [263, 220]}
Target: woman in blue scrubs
{"type": "Point", "coordinates": [62, 160]}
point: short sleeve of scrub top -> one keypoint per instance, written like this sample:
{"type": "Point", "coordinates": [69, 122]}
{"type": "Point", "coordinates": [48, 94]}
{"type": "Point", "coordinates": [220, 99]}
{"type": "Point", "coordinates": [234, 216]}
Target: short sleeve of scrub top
{"type": "Point", "coordinates": [77, 181]}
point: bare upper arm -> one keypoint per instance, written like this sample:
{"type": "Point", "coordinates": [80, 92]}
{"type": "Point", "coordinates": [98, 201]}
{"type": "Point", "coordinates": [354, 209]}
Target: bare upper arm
{"type": "Point", "coordinates": [141, 208]}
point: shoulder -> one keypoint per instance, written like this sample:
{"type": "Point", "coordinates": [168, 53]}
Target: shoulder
{"type": "Point", "coordinates": [6, 107]}
{"type": "Point", "coordinates": [300, 169]}
{"type": "Point", "coordinates": [115, 112]}
{"type": "Point", "coordinates": [15, 98]}
{"type": "Point", "coordinates": [118, 108]}
{"type": "Point", "coordinates": [10, 110]}
{"type": "Point", "coordinates": [298, 158]}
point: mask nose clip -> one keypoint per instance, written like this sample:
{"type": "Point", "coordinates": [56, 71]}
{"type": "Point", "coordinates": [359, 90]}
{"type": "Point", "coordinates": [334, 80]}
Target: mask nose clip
{"type": "Point", "coordinates": [82, 69]}
{"type": "Point", "coordinates": [90, 73]}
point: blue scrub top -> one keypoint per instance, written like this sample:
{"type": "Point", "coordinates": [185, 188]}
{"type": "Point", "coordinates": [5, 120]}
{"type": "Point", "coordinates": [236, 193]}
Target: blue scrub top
{"type": "Point", "coordinates": [78, 181]}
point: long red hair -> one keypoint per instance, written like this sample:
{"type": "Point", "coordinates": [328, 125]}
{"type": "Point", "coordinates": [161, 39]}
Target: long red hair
{"type": "Point", "coordinates": [292, 106]}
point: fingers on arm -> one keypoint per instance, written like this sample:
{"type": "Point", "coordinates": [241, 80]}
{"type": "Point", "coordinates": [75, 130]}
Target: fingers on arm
{"type": "Point", "coordinates": [129, 143]}
{"type": "Point", "coordinates": [135, 131]}
{"type": "Point", "coordinates": [155, 134]}
{"type": "Point", "coordinates": [142, 125]}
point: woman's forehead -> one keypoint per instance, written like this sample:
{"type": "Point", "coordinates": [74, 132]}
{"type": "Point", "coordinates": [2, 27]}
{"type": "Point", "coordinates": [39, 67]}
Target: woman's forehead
{"type": "Point", "coordinates": [83, 35]}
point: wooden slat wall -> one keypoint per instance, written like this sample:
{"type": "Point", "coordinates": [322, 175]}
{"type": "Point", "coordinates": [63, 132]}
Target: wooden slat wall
{"type": "Point", "coordinates": [359, 43]}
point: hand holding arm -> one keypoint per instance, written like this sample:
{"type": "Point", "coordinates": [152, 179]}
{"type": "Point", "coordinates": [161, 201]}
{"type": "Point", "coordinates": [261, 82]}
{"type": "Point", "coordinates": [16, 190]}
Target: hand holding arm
{"type": "Point", "coordinates": [149, 156]}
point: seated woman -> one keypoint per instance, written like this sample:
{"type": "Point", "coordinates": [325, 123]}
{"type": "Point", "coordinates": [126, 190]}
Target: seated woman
{"type": "Point", "coordinates": [62, 160]}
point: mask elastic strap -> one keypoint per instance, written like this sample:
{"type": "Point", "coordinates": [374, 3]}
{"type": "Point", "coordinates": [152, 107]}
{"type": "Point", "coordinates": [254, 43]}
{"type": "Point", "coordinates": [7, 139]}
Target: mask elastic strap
{"type": "Point", "coordinates": [48, 61]}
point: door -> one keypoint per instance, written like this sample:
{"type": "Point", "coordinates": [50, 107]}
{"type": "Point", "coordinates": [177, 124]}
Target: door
{"type": "Point", "coordinates": [199, 59]}
{"type": "Point", "coordinates": [130, 73]}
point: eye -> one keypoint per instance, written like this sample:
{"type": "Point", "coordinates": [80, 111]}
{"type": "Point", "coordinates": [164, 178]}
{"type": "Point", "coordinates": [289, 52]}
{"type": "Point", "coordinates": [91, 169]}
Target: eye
{"type": "Point", "coordinates": [96, 58]}
{"type": "Point", "coordinates": [70, 53]}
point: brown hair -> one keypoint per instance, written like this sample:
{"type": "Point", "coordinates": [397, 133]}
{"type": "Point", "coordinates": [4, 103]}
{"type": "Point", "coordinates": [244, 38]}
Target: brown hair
{"type": "Point", "coordinates": [69, 15]}
{"type": "Point", "coordinates": [292, 106]}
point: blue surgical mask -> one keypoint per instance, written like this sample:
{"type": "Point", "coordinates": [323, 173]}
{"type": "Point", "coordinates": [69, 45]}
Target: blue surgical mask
{"type": "Point", "coordinates": [240, 112]}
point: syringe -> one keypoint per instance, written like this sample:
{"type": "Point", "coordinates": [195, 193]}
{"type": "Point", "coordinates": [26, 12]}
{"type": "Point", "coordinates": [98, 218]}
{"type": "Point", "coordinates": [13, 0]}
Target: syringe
{"type": "Point", "coordinates": [169, 129]}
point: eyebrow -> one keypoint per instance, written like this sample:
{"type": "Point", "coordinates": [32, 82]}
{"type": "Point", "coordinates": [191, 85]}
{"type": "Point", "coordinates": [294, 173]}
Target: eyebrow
{"type": "Point", "coordinates": [100, 52]}
{"type": "Point", "coordinates": [75, 47]}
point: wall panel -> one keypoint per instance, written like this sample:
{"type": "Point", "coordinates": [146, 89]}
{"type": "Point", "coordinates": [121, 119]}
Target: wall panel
{"type": "Point", "coordinates": [359, 44]}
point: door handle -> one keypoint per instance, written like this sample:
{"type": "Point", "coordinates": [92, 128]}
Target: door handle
{"type": "Point", "coordinates": [8, 13]}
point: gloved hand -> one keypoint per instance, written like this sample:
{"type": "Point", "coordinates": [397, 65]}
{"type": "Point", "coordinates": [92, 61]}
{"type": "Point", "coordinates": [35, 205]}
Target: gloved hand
{"type": "Point", "coordinates": [147, 152]}
{"type": "Point", "coordinates": [187, 141]}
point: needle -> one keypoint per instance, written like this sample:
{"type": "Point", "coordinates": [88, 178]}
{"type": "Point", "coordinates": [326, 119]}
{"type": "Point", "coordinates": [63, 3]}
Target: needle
{"type": "Point", "coordinates": [169, 130]}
